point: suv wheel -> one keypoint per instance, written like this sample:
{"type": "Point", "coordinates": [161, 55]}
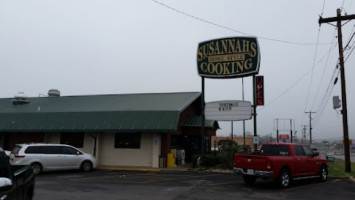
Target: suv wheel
{"type": "Point", "coordinates": [36, 167]}
{"type": "Point", "coordinates": [86, 166]}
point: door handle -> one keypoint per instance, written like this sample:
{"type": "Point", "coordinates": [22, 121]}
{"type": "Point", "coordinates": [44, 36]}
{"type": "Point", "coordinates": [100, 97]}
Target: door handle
{"type": "Point", "coordinates": [3, 197]}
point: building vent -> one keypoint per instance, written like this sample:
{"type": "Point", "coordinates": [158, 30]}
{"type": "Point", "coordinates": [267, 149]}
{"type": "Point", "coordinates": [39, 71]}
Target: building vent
{"type": "Point", "coordinates": [54, 93]}
{"type": "Point", "coordinates": [20, 98]}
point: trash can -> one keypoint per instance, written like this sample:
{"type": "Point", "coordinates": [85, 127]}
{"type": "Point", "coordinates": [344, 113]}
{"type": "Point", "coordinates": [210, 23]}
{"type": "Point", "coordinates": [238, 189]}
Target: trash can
{"type": "Point", "coordinates": [171, 160]}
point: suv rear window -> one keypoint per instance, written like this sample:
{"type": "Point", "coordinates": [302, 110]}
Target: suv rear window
{"type": "Point", "coordinates": [279, 150]}
{"type": "Point", "coordinates": [16, 149]}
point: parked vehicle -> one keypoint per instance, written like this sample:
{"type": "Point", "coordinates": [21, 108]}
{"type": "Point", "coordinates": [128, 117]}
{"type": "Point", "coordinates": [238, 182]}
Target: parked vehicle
{"type": "Point", "coordinates": [15, 182]}
{"type": "Point", "coordinates": [46, 157]}
{"type": "Point", "coordinates": [283, 162]}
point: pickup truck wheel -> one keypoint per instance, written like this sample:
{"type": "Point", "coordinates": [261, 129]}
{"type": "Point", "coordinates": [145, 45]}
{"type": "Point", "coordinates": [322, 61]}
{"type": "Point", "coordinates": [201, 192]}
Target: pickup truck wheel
{"type": "Point", "coordinates": [284, 178]}
{"type": "Point", "coordinates": [323, 174]}
{"type": "Point", "coordinates": [249, 180]}
{"type": "Point", "coordinates": [86, 166]}
{"type": "Point", "coordinates": [36, 167]}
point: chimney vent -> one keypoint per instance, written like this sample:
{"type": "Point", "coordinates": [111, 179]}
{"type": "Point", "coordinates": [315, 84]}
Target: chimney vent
{"type": "Point", "coordinates": [54, 93]}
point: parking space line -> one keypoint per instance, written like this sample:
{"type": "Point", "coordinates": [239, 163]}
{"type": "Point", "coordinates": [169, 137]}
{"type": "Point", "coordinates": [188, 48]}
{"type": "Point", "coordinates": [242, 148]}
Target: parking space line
{"type": "Point", "coordinates": [223, 183]}
{"type": "Point", "coordinates": [142, 178]}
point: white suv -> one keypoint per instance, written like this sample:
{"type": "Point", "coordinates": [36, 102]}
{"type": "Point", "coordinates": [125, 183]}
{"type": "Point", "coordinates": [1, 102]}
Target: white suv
{"type": "Point", "coordinates": [46, 157]}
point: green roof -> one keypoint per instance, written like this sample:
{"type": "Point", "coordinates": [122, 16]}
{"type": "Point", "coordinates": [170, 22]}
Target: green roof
{"type": "Point", "coordinates": [96, 113]}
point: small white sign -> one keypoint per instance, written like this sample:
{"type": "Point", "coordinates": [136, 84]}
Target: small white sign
{"type": "Point", "coordinates": [228, 110]}
{"type": "Point", "coordinates": [256, 140]}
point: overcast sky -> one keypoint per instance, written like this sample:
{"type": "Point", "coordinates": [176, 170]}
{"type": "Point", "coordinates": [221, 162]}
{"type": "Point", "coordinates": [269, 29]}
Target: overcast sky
{"type": "Point", "coordinates": [85, 47]}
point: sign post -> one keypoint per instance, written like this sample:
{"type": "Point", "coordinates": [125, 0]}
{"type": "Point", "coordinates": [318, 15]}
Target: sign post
{"type": "Point", "coordinates": [231, 57]}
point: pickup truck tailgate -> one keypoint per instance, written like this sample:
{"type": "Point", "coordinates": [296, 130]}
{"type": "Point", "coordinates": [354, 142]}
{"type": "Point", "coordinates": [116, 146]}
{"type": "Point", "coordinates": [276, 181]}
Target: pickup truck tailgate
{"type": "Point", "coordinates": [250, 162]}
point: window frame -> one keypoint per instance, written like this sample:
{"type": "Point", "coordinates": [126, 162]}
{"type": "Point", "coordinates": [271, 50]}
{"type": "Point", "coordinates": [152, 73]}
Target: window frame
{"type": "Point", "coordinates": [127, 141]}
{"type": "Point", "coordinates": [75, 139]}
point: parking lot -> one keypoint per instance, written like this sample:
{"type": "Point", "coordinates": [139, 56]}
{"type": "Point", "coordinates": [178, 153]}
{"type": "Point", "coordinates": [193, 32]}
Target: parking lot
{"type": "Point", "coordinates": [179, 185]}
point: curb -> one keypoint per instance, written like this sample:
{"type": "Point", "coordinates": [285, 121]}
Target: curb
{"type": "Point", "coordinates": [129, 169]}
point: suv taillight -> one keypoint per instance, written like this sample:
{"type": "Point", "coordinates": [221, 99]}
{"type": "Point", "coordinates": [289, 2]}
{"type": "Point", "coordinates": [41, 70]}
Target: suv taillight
{"type": "Point", "coordinates": [19, 156]}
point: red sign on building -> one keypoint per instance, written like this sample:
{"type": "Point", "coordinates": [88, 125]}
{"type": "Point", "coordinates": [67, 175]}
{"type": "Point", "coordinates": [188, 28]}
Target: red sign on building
{"type": "Point", "coordinates": [259, 90]}
{"type": "Point", "coordinates": [284, 137]}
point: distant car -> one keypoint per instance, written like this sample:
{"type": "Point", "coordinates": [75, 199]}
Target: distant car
{"type": "Point", "coordinates": [47, 157]}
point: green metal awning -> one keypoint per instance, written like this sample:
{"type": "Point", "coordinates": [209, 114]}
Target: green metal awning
{"type": "Point", "coordinates": [196, 121]}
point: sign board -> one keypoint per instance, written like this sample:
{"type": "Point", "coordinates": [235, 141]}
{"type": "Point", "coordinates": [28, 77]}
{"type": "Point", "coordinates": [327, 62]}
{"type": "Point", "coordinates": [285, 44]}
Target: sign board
{"type": "Point", "coordinates": [350, 142]}
{"type": "Point", "coordinates": [284, 137]}
{"type": "Point", "coordinates": [256, 140]}
{"type": "Point", "coordinates": [228, 110]}
{"type": "Point", "coordinates": [259, 90]}
{"type": "Point", "coordinates": [228, 57]}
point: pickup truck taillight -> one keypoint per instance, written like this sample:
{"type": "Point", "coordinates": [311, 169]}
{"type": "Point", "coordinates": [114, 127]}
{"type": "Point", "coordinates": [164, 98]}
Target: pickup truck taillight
{"type": "Point", "coordinates": [19, 156]}
{"type": "Point", "coordinates": [268, 164]}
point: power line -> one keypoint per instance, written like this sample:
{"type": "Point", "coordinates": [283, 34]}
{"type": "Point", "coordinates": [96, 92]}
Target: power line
{"type": "Point", "coordinates": [234, 30]}
{"type": "Point", "coordinates": [352, 49]}
{"type": "Point", "coordinates": [314, 64]}
{"type": "Point", "coordinates": [324, 68]}
{"type": "Point", "coordinates": [326, 97]}
{"type": "Point", "coordinates": [294, 84]}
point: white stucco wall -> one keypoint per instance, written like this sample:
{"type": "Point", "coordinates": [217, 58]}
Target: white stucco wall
{"type": "Point", "coordinates": [146, 156]}
{"type": "Point", "coordinates": [107, 155]}
{"type": "Point", "coordinates": [88, 146]}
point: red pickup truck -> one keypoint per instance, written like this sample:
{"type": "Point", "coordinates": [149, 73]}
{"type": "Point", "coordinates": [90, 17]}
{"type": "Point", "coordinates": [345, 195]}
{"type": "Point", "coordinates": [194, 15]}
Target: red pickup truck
{"type": "Point", "coordinates": [283, 162]}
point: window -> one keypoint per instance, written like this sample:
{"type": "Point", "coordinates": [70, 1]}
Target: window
{"type": "Point", "coordinates": [73, 139]}
{"type": "Point", "coordinates": [281, 150]}
{"type": "Point", "coordinates": [70, 151]}
{"type": "Point", "coordinates": [299, 150]}
{"type": "Point", "coordinates": [34, 150]}
{"type": "Point", "coordinates": [128, 140]}
{"type": "Point", "coordinates": [303, 151]}
{"type": "Point", "coordinates": [4, 166]}
{"type": "Point", "coordinates": [16, 149]}
{"type": "Point", "coordinates": [308, 151]}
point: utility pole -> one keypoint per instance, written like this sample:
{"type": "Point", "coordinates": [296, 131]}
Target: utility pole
{"type": "Point", "coordinates": [310, 126]}
{"type": "Point", "coordinates": [291, 129]}
{"type": "Point", "coordinates": [304, 134]}
{"type": "Point", "coordinates": [277, 130]}
{"type": "Point", "coordinates": [339, 19]}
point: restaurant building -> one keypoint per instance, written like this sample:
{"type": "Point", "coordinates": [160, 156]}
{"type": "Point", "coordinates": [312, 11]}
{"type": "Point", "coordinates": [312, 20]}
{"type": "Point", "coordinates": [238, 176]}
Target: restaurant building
{"type": "Point", "coordinates": [120, 130]}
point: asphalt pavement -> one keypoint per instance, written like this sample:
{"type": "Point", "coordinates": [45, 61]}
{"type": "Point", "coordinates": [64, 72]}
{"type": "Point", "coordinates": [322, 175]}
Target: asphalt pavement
{"type": "Point", "coordinates": [180, 185]}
